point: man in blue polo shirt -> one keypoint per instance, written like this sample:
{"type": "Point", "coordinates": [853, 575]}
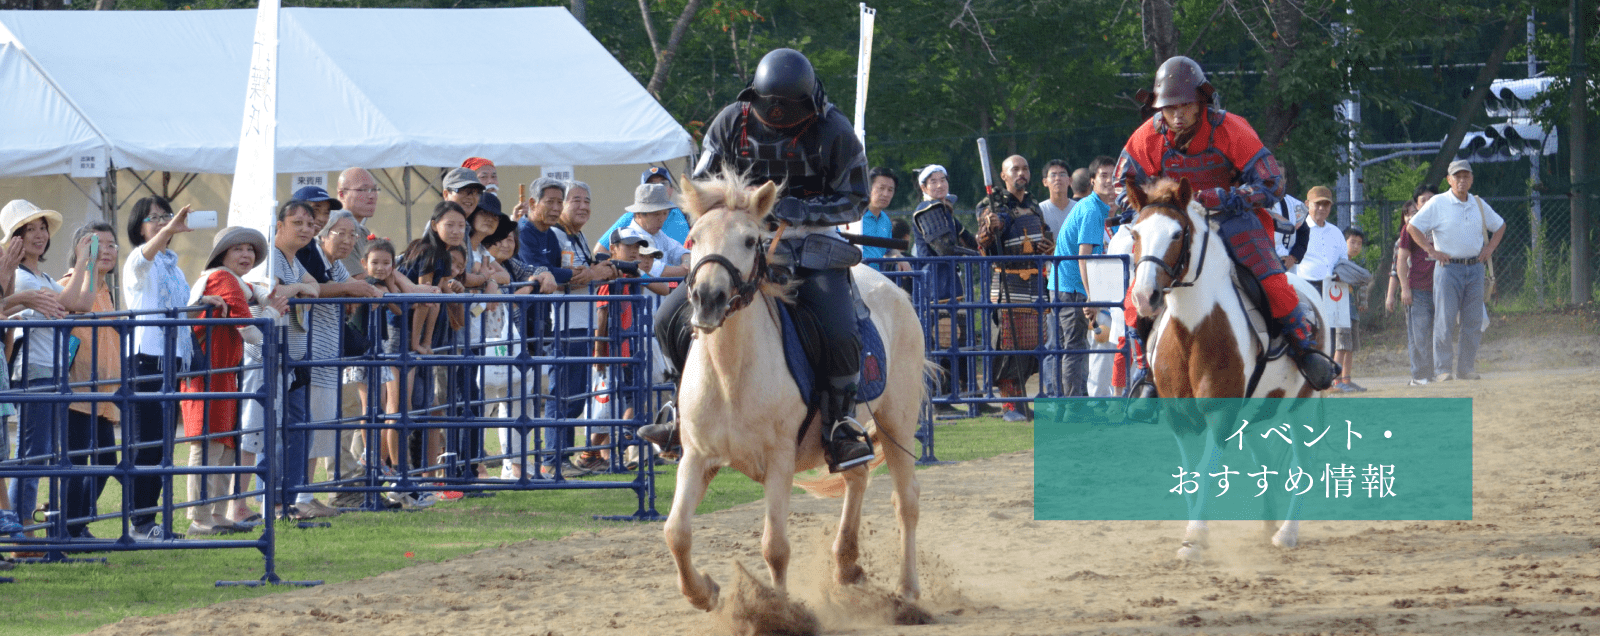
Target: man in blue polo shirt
{"type": "Point", "coordinates": [875, 221]}
{"type": "Point", "coordinates": [1083, 233]}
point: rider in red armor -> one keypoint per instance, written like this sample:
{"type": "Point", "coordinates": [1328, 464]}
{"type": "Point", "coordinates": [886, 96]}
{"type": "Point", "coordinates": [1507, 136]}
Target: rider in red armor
{"type": "Point", "coordinates": [1237, 179]}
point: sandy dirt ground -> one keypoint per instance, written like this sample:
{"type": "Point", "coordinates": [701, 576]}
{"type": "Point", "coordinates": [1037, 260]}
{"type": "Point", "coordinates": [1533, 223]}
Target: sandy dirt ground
{"type": "Point", "coordinates": [1527, 563]}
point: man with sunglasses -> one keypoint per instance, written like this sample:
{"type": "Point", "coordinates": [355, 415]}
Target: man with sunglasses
{"type": "Point", "coordinates": [784, 129]}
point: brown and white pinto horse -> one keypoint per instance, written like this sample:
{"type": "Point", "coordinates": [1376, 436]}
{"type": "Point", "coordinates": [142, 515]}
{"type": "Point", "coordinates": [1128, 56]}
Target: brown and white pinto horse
{"type": "Point", "coordinates": [1202, 344]}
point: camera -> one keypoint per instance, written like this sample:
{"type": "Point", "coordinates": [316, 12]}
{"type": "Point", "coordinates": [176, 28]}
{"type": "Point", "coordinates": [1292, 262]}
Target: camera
{"type": "Point", "coordinates": [628, 268]}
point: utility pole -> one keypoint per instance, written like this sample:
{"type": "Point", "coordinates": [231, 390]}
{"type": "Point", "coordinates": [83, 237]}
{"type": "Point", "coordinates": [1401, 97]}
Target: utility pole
{"type": "Point", "coordinates": [1578, 105]}
{"type": "Point", "coordinates": [1534, 208]}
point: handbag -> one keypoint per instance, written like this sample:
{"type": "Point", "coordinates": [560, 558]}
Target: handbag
{"type": "Point", "coordinates": [1489, 287]}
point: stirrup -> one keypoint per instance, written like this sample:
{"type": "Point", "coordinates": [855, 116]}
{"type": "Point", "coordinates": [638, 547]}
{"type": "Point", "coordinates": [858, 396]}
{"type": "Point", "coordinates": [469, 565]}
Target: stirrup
{"type": "Point", "coordinates": [1318, 369]}
{"type": "Point", "coordinates": [846, 445]}
{"type": "Point", "coordinates": [663, 432]}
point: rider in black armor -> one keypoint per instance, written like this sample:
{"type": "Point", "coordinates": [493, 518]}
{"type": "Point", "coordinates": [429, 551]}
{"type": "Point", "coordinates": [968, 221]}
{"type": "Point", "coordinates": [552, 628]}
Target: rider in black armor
{"type": "Point", "coordinates": [784, 129]}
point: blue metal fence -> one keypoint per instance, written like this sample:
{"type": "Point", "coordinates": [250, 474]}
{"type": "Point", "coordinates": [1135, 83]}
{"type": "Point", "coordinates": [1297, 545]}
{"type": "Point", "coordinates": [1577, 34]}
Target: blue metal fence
{"type": "Point", "coordinates": [553, 385]}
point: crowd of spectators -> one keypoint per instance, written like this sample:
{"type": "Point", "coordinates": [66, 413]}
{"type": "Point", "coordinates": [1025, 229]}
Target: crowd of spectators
{"type": "Point", "coordinates": [323, 249]}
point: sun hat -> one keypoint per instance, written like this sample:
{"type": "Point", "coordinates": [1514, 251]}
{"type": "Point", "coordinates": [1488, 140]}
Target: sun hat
{"type": "Point", "coordinates": [650, 197]}
{"type": "Point", "coordinates": [236, 235]}
{"type": "Point", "coordinates": [20, 212]}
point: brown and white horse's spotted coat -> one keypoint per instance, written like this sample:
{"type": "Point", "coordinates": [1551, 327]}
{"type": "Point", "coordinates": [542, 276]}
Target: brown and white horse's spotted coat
{"type": "Point", "coordinates": [1201, 344]}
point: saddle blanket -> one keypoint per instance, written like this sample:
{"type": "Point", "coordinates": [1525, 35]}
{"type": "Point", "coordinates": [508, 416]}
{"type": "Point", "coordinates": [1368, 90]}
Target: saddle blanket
{"type": "Point", "coordinates": [795, 346]}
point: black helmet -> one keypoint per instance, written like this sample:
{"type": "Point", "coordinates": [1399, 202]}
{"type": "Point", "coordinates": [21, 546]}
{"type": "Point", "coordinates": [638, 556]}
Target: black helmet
{"type": "Point", "coordinates": [783, 92]}
{"type": "Point", "coordinates": [1178, 81]}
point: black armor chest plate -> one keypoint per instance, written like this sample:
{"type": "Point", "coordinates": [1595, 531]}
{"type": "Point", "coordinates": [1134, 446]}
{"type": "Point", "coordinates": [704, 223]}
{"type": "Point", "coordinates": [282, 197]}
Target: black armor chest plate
{"type": "Point", "coordinates": [768, 155]}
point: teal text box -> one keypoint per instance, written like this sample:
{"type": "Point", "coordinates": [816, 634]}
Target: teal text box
{"type": "Point", "coordinates": [1328, 459]}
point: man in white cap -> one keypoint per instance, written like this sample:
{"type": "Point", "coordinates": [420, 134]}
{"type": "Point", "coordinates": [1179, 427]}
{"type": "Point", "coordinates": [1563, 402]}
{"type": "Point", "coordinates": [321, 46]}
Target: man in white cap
{"type": "Point", "coordinates": [1459, 232]}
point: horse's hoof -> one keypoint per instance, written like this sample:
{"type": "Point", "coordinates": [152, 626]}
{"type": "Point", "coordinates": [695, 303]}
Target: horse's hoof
{"type": "Point", "coordinates": [1286, 539]}
{"type": "Point", "coordinates": [1199, 536]}
{"type": "Point", "coordinates": [1190, 552]}
{"type": "Point", "coordinates": [851, 575]}
{"type": "Point", "coordinates": [908, 613]}
{"type": "Point", "coordinates": [713, 593]}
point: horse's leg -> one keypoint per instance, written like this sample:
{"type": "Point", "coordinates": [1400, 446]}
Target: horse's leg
{"type": "Point", "coordinates": [693, 476]}
{"type": "Point", "coordinates": [1288, 535]}
{"type": "Point", "coordinates": [775, 537]}
{"type": "Point", "coordinates": [1197, 536]}
{"type": "Point", "coordinates": [902, 469]}
{"type": "Point", "coordinates": [847, 545]}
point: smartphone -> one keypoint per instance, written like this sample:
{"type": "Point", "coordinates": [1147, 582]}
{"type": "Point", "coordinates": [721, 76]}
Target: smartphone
{"type": "Point", "coordinates": [202, 219]}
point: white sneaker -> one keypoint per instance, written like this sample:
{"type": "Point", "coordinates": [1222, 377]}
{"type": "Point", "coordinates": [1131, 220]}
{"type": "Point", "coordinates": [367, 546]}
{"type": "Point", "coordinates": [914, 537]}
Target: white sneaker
{"type": "Point", "coordinates": [419, 500]}
{"type": "Point", "coordinates": [1418, 382]}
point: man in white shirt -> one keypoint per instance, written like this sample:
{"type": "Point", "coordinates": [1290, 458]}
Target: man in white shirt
{"type": "Point", "coordinates": [1325, 243]}
{"type": "Point", "coordinates": [1058, 178]}
{"type": "Point", "coordinates": [1459, 232]}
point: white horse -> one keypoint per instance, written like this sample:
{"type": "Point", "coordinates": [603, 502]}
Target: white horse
{"type": "Point", "coordinates": [739, 406]}
{"type": "Point", "coordinates": [1202, 343]}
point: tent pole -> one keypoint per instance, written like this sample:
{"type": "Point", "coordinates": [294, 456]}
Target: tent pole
{"type": "Point", "coordinates": [406, 179]}
{"type": "Point", "coordinates": [108, 195]}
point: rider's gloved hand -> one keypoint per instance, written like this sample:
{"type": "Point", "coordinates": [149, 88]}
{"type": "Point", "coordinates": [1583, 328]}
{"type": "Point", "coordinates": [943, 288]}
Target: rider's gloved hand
{"type": "Point", "coordinates": [1220, 199]}
{"type": "Point", "coordinates": [790, 210]}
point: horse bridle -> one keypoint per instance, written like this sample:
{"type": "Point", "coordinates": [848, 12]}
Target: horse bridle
{"type": "Point", "coordinates": [744, 288]}
{"type": "Point", "coordinates": [1177, 273]}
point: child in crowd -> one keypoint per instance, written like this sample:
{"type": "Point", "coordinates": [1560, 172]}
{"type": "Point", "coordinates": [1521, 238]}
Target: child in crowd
{"type": "Point", "coordinates": [628, 244]}
{"type": "Point", "coordinates": [1347, 341]}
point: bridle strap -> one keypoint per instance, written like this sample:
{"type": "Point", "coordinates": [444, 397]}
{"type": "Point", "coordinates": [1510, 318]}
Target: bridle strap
{"type": "Point", "coordinates": [744, 288]}
{"type": "Point", "coordinates": [1176, 273]}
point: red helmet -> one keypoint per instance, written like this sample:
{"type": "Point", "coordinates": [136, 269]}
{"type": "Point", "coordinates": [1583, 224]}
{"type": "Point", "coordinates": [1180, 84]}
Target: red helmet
{"type": "Point", "coordinates": [1178, 81]}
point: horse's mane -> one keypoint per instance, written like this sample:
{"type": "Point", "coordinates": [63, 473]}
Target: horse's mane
{"type": "Point", "coordinates": [725, 188]}
{"type": "Point", "coordinates": [1165, 190]}
{"type": "Point", "coordinates": [728, 188]}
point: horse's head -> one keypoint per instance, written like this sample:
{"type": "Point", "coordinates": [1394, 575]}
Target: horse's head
{"type": "Point", "coordinates": [728, 268]}
{"type": "Point", "coordinates": [1162, 235]}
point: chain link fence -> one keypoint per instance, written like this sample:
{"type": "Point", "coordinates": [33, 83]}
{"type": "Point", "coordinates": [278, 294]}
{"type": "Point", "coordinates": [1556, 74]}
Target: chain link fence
{"type": "Point", "coordinates": [1532, 265]}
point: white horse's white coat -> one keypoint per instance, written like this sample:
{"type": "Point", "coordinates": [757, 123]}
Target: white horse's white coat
{"type": "Point", "coordinates": [739, 407]}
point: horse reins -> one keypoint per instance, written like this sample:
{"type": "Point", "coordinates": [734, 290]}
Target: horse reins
{"type": "Point", "coordinates": [1177, 273]}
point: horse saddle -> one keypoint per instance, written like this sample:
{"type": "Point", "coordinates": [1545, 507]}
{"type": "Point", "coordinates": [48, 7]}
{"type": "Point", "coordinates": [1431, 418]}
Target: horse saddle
{"type": "Point", "coordinates": [803, 345]}
{"type": "Point", "coordinates": [1253, 300]}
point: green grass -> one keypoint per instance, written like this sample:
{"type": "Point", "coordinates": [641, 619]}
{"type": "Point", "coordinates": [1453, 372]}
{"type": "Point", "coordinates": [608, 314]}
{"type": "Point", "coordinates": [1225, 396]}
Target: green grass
{"type": "Point", "coordinates": [74, 598]}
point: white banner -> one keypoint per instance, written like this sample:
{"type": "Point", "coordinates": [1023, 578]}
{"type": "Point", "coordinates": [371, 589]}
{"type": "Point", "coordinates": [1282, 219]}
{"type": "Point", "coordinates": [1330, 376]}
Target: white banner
{"type": "Point", "coordinates": [864, 70]}
{"type": "Point", "coordinates": [1336, 301]}
{"type": "Point", "coordinates": [255, 177]}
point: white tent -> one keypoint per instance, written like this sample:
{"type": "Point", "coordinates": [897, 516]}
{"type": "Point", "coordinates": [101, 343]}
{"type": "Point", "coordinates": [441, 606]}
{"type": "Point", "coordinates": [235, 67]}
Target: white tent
{"type": "Point", "coordinates": [357, 87]}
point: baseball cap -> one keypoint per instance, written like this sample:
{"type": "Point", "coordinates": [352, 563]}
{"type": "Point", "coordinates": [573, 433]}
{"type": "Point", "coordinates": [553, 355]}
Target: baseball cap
{"type": "Point", "coordinates": [1319, 193]}
{"type": "Point", "coordinates": [489, 202]}
{"type": "Point", "coordinates": [313, 194]}
{"type": "Point", "coordinates": [653, 171]}
{"type": "Point", "coordinates": [1459, 165]}
{"type": "Point", "coordinates": [631, 235]}
{"type": "Point", "coordinates": [459, 178]}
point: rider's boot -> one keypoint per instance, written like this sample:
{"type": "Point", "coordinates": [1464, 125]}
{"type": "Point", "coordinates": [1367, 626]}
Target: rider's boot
{"type": "Point", "coordinates": [1141, 385]}
{"type": "Point", "coordinates": [1301, 332]}
{"type": "Point", "coordinates": [663, 431]}
{"type": "Point", "coordinates": [844, 440]}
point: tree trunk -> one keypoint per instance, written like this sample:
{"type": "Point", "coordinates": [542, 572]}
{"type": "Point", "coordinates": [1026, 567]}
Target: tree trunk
{"type": "Point", "coordinates": [1279, 117]}
{"type": "Point", "coordinates": [658, 79]}
{"type": "Point", "coordinates": [1160, 34]}
{"type": "Point", "coordinates": [105, 5]}
{"type": "Point", "coordinates": [650, 28]}
{"type": "Point", "coordinates": [1474, 103]}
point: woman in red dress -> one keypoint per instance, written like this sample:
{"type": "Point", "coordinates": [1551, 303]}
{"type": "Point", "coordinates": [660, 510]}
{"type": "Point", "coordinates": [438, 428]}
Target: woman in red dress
{"type": "Point", "coordinates": [234, 253]}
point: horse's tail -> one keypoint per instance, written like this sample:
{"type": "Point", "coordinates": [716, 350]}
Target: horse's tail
{"type": "Point", "coordinates": [832, 485]}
